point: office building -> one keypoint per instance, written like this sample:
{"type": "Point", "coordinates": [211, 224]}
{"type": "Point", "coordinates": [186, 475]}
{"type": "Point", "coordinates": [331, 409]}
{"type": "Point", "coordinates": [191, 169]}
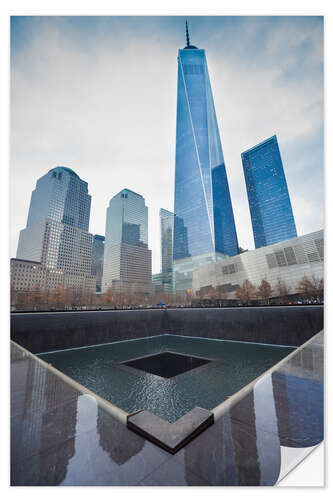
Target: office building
{"type": "Point", "coordinates": [98, 260]}
{"type": "Point", "coordinates": [270, 208]}
{"type": "Point", "coordinates": [167, 226]}
{"type": "Point", "coordinates": [204, 223]}
{"type": "Point", "coordinates": [56, 234]}
{"type": "Point", "coordinates": [285, 263]}
{"type": "Point", "coordinates": [127, 259]}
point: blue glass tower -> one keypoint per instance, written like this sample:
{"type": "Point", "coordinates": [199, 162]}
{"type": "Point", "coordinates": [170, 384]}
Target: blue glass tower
{"type": "Point", "coordinates": [271, 212]}
{"type": "Point", "coordinates": [204, 221]}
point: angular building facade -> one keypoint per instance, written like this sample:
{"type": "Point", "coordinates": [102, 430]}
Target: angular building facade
{"type": "Point", "coordinates": [270, 208]}
{"type": "Point", "coordinates": [283, 265]}
{"type": "Point", "coordinates": [57, 234]}
{"type": "Point", "coordinates": [127, 259]}
{"type": "Point", "coordinates": [204, 222]}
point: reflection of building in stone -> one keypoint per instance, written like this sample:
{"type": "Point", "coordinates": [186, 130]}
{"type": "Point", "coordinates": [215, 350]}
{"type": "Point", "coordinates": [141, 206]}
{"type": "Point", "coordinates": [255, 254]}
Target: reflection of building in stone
{"type": "Point", "coordinates": [113, 435]}
{"type": "Point", "coordinates": [229, 466]}
{"type": "Point", "coordinates": [245, 442]}
{"type": "Point", "coordinates": [285, 263]}
{"type": "Point", "coordinates": [222, 470]}
{"type": "Point", "coordinates": [46, 420]}
{"type": "Point", "coordinates": [298, 395]}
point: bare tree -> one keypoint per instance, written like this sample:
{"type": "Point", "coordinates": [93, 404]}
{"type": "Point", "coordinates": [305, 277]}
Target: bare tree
{"type": "Point", "coordinates": [108, 297]}
{"type": "Point", "coordinates": [311, 288]}
{"type": "Point", "coordinates": [265, 290]}
{"type": "Point", "coordinates": [246, 292]}
{"type": "Point", "coordinates": [221, 295]}
{"type": "Point", "coordinates": [89, 297]}
{"type": "Point", "coordinates": [34, 297]}
{"type": "Point", "coordinates": [14, 297]}
{"type": "Point", "coordinates": [58, 296]}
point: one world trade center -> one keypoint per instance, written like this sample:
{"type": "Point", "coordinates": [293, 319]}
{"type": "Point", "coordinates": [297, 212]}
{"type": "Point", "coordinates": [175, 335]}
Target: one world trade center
{"type": "Point", "coordinates": [204, 226]}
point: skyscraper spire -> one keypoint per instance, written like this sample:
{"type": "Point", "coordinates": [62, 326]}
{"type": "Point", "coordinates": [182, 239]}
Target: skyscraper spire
{"type": "Point", "coordinates": [187, 36]}
{"type": "Point", "coordinates": [204, 227]}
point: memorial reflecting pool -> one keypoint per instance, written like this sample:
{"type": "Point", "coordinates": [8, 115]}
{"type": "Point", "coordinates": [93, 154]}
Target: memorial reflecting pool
{"type": "Point", "coordinates": [168, 374]}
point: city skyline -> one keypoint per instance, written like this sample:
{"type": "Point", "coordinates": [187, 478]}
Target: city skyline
{"type": "Point", "coordinates": [284, 74]}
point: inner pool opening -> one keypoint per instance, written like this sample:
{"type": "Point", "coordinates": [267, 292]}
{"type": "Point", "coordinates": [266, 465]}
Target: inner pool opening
{"type": "Point", "coordinates": [167, 364]}
{"type": "Point", "coordinates": [167, 374]}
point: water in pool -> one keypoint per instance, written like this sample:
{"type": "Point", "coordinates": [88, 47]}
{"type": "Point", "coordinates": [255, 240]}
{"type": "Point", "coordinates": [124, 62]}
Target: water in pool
{"type": "Point", "coordinates": [168, 374]}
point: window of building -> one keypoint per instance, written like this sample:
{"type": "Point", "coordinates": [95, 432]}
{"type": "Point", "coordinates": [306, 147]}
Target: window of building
{"type": "Point", "coordinates": [280, 258]}
{"type": "Point", "coordinates": [290, 256]}
{"type": "Point", "coordinates": [271, 260]}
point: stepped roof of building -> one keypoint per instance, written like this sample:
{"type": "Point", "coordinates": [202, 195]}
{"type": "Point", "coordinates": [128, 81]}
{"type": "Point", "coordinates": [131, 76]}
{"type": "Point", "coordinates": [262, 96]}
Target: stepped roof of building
{"type": "Point", "coordinates": [66, 169]}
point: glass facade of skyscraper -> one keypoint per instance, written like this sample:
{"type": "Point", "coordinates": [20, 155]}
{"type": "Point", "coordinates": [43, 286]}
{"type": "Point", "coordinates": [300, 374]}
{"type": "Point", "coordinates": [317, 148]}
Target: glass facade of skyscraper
{"type": "Point", "coordinates": [57, 234]}
{"type": "Point", "coordinates": [204, 220]}
{"type": "Point", "coordinates": [164, 279]}
{"type": "Point", "coordinates": [127, 259]}
{"type": "Point", "coordinates": [62, 196]}
{"type": "Point", "coordinates": [98, 259]}
{"type": "Point", "coordinates": [166, 220]}
{"type": "Point", "coordinates": [271, 212]}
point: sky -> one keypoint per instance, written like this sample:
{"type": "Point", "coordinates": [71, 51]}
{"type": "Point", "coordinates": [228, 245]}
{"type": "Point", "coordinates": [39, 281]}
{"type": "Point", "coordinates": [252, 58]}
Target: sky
{"type": "Point", "coordinates": [99, 94]}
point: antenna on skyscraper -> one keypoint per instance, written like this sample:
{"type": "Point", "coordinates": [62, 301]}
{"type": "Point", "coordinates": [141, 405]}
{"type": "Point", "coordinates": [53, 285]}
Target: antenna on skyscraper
{"type": "Point", "coordinates": [187, 36]}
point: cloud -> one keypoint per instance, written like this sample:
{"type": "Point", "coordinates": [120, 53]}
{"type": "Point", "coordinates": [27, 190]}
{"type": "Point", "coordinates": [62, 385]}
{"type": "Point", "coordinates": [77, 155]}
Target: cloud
{"type": "Point", "coordinates": [99, 95]}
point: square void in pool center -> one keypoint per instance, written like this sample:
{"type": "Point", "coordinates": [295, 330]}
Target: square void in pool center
{"type": "Point", "coordinates": [167, 364]}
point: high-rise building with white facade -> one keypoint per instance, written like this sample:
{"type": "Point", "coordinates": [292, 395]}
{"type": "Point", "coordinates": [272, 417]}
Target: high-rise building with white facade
{"type": "Point", "coordinates": [127, 259]}
{"type": "Point", "coordinates": [56, 234]}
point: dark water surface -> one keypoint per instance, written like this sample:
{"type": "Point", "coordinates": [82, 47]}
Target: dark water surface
{"type": "Point", "coordinates": [233, 365]}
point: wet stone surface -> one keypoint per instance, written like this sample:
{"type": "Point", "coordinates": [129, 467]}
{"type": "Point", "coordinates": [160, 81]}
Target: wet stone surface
{"type": "Point", "coordinates": [171, 437]}
{"type": "Point", "coordinates": [62, 437]}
